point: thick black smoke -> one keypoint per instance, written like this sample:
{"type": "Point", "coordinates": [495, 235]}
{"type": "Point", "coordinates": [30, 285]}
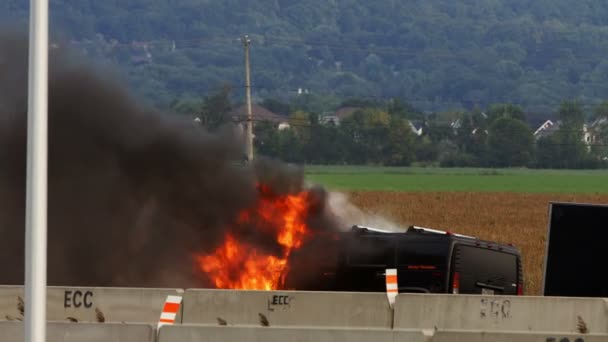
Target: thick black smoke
{"type": "Point", "coordinates": [132, 194]}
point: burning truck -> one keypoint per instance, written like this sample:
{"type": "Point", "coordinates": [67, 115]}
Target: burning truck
{"type": "Point", "coordinates": [427, 260]}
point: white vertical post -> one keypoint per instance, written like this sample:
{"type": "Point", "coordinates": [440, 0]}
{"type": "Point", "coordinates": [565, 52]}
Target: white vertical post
{"type": "Point", "coordinates": [246, 44]}
{"type": "Point", "coordinates": [36, 188]}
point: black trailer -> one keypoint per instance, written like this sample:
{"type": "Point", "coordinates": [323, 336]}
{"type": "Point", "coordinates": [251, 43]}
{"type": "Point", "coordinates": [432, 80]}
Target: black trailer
{"type": "Point", "coordinates": [576, 258]}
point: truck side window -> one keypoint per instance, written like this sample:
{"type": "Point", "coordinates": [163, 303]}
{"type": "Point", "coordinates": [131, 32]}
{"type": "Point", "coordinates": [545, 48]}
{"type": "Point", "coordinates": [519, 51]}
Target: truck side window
{"type": "Point", "coordinates": [423, 254]}
{"type": "Point", "coordinates": [371, 251]}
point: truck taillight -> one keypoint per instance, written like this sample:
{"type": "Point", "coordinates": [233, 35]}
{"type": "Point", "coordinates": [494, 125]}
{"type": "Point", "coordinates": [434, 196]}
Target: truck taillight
{"type": "Point", "coordinates": [456, 283]}
{"type": "Point", "coordinates": [520, 289]}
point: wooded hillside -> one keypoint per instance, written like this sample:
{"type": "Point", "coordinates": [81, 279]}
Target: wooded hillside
{"type": "Point", "coordinates": [434, 54]}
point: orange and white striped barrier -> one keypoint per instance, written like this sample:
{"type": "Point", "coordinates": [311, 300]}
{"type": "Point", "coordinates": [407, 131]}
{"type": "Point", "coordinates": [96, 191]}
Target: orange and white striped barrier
{"type": "Point", "coordinates": [392, 288]}
{"type": "Point", "coordinates": [170, 309]}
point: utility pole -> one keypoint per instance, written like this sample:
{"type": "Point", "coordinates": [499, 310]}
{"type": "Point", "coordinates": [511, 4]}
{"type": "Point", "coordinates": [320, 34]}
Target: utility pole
{"type": "Point", "coordinates": [36, 185]}
{"type": "Point", "coordinates": [249, 144]}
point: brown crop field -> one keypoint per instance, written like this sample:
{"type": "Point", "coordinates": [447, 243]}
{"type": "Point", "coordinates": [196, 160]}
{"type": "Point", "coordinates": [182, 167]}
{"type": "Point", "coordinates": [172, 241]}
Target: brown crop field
{"type": "Point", "coordinates": [518, 218]}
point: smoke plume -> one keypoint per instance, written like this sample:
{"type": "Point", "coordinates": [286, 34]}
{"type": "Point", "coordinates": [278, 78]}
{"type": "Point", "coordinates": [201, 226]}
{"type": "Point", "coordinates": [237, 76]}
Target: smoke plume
{"type": "Point", "coordinates": [132, 194]}
{"type": "Point", "coordinates": [349, 214]}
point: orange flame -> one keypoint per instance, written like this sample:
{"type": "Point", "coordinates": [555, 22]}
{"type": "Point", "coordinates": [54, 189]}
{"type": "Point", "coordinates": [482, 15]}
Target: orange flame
{"type": "Point", "coordinates": [239, 265]}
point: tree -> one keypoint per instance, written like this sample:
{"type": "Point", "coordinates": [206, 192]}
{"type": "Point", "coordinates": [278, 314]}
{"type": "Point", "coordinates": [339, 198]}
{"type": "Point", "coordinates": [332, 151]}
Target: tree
{"type": "Point", "coordinates": [601, 110]}
{"type": "Point", "coordinates": [266, 140]}
{"type": "Point", "coordinates": [508, 110]}
{"type": "Point", "coordinates": [215, 109]}
{"type": "Point", "coordinates": [570, 134]}
{"type": "Point", "coordinates": [398, 109]}
{"type": "Point", "coordinates": [353, 131]}
{"type": "Point", "coordinates": [565, 147]}
{"type": "Point", "coordinates": [276, 106]}
{"type": "Point", "coordinates": [470, 138]}
{"type": "Point", "coordinates": [599, 149]}
{"type": "Point", "coordinates": [367, 130]}
{"type": "Point", "coordinates": [400, 147]}
{"type": "Point", "coordinates": [375, 130]}
{"type": "Point", "coordinates": [186, 107]}
{"type": "Point", "coordinates": [438, 131]}
{"type": "Point", "coordinates": [426, 150]}
{"type": "Point", "coordinates": [299, 122]}
{"type": "Point", "coordinates": [326, 144]}
{"type": "Point", "coordinates": [290, 147]}
{"type": "Point", "coordinates": [361, 103]}
{"type": "Point", "coordinates": [548, 153]}
{"type": "Point", "coordinates": [571, 115]}
{"type": "Point", "coordinates": [314, 103]}
{"type": "Point", "coordinates": [511, 142]}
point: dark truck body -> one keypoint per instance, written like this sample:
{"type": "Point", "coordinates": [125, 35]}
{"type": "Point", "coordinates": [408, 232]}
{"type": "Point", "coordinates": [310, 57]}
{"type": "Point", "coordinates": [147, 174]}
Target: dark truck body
{"type": "Point", "coordinates": [427, 261]}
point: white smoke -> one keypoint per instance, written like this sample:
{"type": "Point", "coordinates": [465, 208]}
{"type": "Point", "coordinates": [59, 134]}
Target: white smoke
{"type": "Point", "coordinates": [351, 215]}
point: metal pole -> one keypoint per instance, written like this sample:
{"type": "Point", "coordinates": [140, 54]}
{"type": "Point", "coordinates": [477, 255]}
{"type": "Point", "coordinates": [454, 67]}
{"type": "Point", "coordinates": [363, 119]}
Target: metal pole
{"type": "Point", "coordinates": [246, 43]}
{"type": "Point", "coordinates": [36, 188]}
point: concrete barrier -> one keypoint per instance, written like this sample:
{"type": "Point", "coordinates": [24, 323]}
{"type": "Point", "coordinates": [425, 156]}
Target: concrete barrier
{"type": "Point", "coordinates": [83, 332]}
{"type": "Point", "coordinates": [198, 333]}
{"type": "Point", "coordinates": [472, 336]}
{"type": "Point", "coordinates": [501, 313]}
{"type": "Point", "coordinates": [91, 304]}
{"type": "Point", "coordinates": [287, 308]}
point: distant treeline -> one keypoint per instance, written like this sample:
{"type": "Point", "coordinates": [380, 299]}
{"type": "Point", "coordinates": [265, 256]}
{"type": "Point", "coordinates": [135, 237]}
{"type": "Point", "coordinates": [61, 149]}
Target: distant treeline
{"type": "Point", "coordinates": [394, 133]}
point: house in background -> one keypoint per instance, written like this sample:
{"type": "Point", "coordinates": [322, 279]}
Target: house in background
{"type": "Point", "coordinates": [417, 127]}
{"type": "Point", "coordinates": [546, 129]}
{"type": "Point", "coordinates": [587, 135]}
{"type": "Point", "coordinates": [595, 128]}
{"type": "Point", "coordinates": [328, 118]}
{"type": "Point", "coordinates": [141, 53]}
{"type": "Point", "coordinates": [344, 112]}
{"type": "Point", "coordinates": [259, 114]}
{"type": "Point", "coordinates": [599, 122]}
{"type": "Point", "coordinates": [456, 124]}
{"type": "Point", "coordinates": [549, 127]}
{"type": "Point", "coordinates": [338, 115]}
{"type": "Point", "coordinates": [536, 120]}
